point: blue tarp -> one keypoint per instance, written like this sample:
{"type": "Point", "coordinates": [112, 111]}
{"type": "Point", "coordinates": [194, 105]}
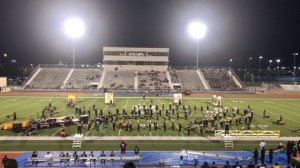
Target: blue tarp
{"type": "Point", "coordinates": [168, 158]}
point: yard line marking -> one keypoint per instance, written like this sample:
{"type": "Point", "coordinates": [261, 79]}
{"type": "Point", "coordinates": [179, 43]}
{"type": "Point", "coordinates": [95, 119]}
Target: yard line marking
{"type": "Point", "coordinates": [40, 109]}
{"type": "Point", "coordinates": [126, 103]}
{"type": "Point", "coordinates": [56, 132]}
{"type": "Point", "coordinates": [90, 129]}
{"type": "Point", "coordinates": [13, 104]}
{"type": "Point", "coordinates": [119, 132]}
{"type": "Point", "coordinates": [278, 114]}
{"type": "Point", "coordinates": [19, 109]}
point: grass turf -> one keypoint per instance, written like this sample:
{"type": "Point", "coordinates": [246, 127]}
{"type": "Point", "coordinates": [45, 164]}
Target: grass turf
{"type": "Point", "coordinates": [30, 107]}
{"type": "Point", "coordinates": [146, 145]}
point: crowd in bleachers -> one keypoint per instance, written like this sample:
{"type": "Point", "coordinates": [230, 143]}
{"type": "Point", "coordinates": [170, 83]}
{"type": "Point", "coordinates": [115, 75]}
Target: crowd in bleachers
{"type": "Point", "coordinates": [82, 78]}
{"type": "Point", "coordinates": [174, 76]}
{"type": "Point", "coordinates": [219, 79]}
{"type": "Point", "coordinates": [153, 80]}
{"type": "Point", "coordinates": [275, 85]}
{"type": "Point", "coordinates": [119, 80]}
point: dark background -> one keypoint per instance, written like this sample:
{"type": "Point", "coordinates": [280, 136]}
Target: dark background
{"type": "Point", "coordinates": [31, 31]}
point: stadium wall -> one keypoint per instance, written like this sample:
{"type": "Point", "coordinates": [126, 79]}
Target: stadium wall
{"type": "Point", "coordinates": [135, 67]}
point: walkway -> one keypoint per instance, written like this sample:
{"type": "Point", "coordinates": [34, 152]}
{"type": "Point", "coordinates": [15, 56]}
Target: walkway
{"type": "Point", "coordinates": [151, 138]}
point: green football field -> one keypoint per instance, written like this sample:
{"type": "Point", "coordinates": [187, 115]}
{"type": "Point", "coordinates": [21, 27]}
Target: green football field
{"type": "Point", "coordinates": [30, 107]}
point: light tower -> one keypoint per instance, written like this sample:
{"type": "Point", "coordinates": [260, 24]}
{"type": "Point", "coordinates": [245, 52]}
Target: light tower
{"type": "Point", "coordinates": [197, 31]}
{"type": "Point", "coordinates": [294, 54]}
{"type": "Point", "coordinates": [75, 29]}
{"type": "Point", "coordinates": [278, 61]}
{"type": "Point", "coordinates": [260, 57]}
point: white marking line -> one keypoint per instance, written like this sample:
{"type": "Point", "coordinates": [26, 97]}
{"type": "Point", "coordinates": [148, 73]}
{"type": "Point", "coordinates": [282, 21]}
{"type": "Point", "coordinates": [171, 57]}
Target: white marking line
{"type": "Point", "coordinates": [13, 104]}
{"type": "Point", "coordinates": [119, 132]}
{"type": "Point", "coordinates": [55, 132]}
{"type": "Point", "coordinates": [126, 103]}
{"type": "Point", "coordinates": [285, 116]}
{"type": "Point", "coordinates": [178, 128]}
{"type": "Point", "coordinates": [40, 109]}
{"type": "Point", "coordinates": [291, 106]}
{"type": "Point", "coordinates": [90, 129]}
{"type": "Point", "coordinates": [19, 109]}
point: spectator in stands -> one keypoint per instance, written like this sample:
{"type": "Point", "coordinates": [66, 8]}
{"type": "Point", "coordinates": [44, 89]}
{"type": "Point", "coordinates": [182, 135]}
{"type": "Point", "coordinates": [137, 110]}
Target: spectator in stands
{"type": "Point", "coordinates": [196, 162]}
{"type": "Point", "coordinates": [262, 144]}
{"type": "Point", "coordinates": [10, 163]}
{"type": "Point", "coordinates": [136, 151]}
{"type": "Point", "coordinates": [91, 155]}
{"type": "Point", "coordinates": [262, 155]}
{"type": "Point", "coordinates": [5, 158]}
{"type": "Point", "coordinates": [280, 146]}
{"type": "Point", "coordinates": [227, 165]}
{"type": "Point", "coordinates": [251, 165]}
{"type": "Point", "coordinates": [34, 155]}
{"type": "Point", "coordinates": [61, 155]}
{"type": "Point", "coordinates": [48, 156]}
{"type": "Point", "coordinates": [129, 164]}
{"type": "Point", "coordinates": [271, 152]}
{"type": "Point", "coordinates": [112, 154]}
{"type": "Point", "coordinates": [261, 166]}
{"type": "Point", "coordinates": [255, 155]}
{"type": "Point", "coordinates": [205, 165]}
{"type": "Point", "coordinates": [213, 165]}
{"type": "Point", "coordinates": [83, 155]}
{"type": "Point", "coordinates": [123, 148]}
{"type": "Point", "coordinates": [76, 158]}
{"type": "Point", "coordinates": [102, 161]}
{"type": "Point", "coordinates": [276, 165]}
{"type": "Point", "coordinates": [237, 165]}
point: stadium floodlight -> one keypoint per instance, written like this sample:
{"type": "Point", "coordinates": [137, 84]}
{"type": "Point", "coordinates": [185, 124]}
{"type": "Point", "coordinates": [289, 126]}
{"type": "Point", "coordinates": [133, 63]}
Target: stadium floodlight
{"type": "Point", "coordinates": [278, 61]}
{"type": "Point", "coordinates": [294, 68]}
{"type": "Point", "coordinates": [230, 61]}
{"type": "Point", "coordinates": [249, 63]}
{"type": "Point", "coordinates": [260, 57]}
{"type": "Point", "coordinates": [270, 61]}
{"type": "Point", "coordinates": [75, 29]}
{"type": "Point", "coordinates": [197, 31]}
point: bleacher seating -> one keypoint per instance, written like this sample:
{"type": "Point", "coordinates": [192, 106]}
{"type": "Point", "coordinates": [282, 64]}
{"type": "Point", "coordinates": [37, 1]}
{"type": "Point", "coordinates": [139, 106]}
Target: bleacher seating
{"type": "Point", "coordinates": [190, 80]}
{"type": "Point", "coordinates": [219, 79]}
{"type": "Point", "coordinates": [49, 78]}
{"type": "Point", "coordinates": [174, 76]}
{"type": "Point", "coordinates": [153, 80]}
{"type": "Point", "coordinates": [82, 78]}
{"type": "Point", "coordinates": [119, 80]}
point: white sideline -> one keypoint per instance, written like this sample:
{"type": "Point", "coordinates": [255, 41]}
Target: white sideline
{"type": "Point", "coordinates": [153, 138]}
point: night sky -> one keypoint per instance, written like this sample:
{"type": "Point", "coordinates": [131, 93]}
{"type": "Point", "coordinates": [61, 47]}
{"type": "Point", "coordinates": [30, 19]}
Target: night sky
{"type": "Point", "coordinates": [31, 31]}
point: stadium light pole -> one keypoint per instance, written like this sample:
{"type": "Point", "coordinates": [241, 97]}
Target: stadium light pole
{"type": "Point", "coordinates": [270, 61]}
{"type": "Point", "coordinates": [260, 57]}
{"type": "Point", "coordinates": [75, 29]}
{"type": "Point", "coordinates": [295, 54]}
{"type": "Point", "coordinates": [249, 63]}
{"type": "Point", "coordinates": [230, 61]}
{"type": "Point", "coordinates": [197, 31]}
{"type": "Point", "coordinates": [278, 61]}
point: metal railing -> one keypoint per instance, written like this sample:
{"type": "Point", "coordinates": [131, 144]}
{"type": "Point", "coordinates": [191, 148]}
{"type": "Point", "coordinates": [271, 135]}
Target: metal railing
{"type": "Point", "coordinates": [274, 133]}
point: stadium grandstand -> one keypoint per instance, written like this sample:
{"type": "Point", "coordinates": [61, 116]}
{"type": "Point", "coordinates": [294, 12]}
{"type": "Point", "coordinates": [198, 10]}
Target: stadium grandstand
{"type": "Point", "coordinates": [134, 69]}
